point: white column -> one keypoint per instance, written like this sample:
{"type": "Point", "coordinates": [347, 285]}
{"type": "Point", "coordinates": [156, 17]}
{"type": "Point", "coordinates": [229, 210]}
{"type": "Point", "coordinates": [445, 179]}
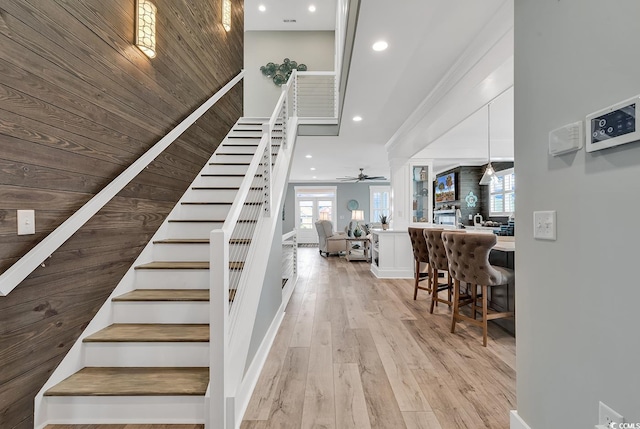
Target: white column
{"type": "Point", "coordinates": [400, 193]}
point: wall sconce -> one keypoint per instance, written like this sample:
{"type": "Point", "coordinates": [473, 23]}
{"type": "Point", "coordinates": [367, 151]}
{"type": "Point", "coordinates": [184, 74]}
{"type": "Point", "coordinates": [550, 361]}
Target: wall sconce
{"type": "Point", "coordinates": [226, 15]}
{"type": "Point", "coordinates": [146, 27]}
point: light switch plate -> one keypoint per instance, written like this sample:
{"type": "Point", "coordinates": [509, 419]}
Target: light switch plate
{"type": "Point", "coordinates": [544, 225]}
{"type": "Point", "coordinates": [26, 222]}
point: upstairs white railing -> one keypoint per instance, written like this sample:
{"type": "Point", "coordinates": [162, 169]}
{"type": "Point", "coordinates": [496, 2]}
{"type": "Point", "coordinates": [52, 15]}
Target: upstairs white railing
{"type": "Point", "coordinates": [315, 95]}
{"type": "Point", "coordinates": [19, 271]}
{"type": "Point", "coordinates": [231, 326]}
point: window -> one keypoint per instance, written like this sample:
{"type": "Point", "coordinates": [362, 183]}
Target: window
{"type": "Point", "coordinates": [502, 198]}
{"type": "Point", "coordinates": [380, 202]}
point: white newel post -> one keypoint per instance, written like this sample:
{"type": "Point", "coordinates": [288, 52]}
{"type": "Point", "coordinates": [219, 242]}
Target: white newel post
{"type": "Point", "coordinates": [218, 327]}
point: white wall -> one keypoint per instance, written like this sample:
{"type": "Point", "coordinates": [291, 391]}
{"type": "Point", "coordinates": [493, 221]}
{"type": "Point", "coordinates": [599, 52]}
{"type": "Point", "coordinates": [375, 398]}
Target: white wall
{"type": "Point", "coordinates": [578, 298]}
{"type": "Point", "coordinates": [314, 48]}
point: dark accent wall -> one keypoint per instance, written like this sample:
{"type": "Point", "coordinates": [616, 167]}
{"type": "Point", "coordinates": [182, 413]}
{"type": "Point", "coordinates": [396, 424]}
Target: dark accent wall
{"type": "Point", "coordinates": [467, 180]}
{"type": "Point", "coordinates": [78, 104]}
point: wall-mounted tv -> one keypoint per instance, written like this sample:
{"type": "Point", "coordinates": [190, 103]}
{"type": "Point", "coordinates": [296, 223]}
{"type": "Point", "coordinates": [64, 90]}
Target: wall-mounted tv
{"type": "Point", "coordinates": [446, 188]}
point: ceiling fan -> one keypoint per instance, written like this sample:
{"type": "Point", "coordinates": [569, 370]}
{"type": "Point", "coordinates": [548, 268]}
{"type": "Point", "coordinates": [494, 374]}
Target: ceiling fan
{"type": "Point", "coordinates": [361, 177]}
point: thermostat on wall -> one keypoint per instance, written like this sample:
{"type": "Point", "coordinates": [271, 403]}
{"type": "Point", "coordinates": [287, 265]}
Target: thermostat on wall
{"type": "Point", "coordinates": [566, 139]}
{"type": "Point", "coordinates": [613, 126]}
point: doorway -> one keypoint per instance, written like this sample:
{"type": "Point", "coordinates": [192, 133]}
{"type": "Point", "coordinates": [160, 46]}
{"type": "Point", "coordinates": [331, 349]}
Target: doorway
{"type": "Point", "coordinates": [313, 203]}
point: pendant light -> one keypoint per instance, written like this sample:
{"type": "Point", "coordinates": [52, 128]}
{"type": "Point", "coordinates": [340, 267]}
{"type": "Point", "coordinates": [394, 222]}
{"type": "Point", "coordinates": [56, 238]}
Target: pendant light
{"type": "Point", "coordinates": [489, 173]}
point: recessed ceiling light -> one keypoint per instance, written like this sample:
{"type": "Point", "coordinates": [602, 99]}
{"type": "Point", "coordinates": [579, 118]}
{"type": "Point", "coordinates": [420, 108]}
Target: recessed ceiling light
{"type": "Point", "coordinates": [357, 118]}
{"type": "Point", "coordinates": [380, 45]}
{"type": "Point", "coordinates": [262, 8]}
{"type": "Point", "coordinates": [312, 8]}
{"type": "Point", "coordinates": [308, 156]}
{"type": "Point", "coordinates": [315, 177]}
{"type": "Point", "coordinates": [313, 169]}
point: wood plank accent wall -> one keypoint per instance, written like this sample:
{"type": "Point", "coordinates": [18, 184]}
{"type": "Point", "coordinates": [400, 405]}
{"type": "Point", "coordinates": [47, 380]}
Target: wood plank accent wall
{"type": "Point", "coordinates": [468, 180]}
{"type": "Point", "coordinates": [78, 104]}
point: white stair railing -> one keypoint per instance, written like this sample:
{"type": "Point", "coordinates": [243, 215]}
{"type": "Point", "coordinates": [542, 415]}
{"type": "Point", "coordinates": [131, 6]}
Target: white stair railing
{"type": "Point", "coordinates": [289, 258]}
{"type": "Point", "coordinates": [231, 325]}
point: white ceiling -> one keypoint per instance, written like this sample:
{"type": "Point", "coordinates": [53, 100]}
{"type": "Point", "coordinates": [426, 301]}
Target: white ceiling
{"type": "Point", "coordinates": [426, 38]}
{"type": "Point", "coordinates": [277, 11]}
{"type": "Point", "coordinates": [467, 144]}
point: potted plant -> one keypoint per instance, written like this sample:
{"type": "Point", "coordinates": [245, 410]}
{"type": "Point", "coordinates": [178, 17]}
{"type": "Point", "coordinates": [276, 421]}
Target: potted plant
{"type": "Point", "coordinates": [384, 220]}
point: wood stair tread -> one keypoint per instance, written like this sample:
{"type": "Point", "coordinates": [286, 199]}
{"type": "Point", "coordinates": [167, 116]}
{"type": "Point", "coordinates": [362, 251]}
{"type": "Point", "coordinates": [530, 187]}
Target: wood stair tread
{"type": "Point", "coordinates": [199, 241]}
{"type": "Point", "coordinates": [169, 295]}
{"type": "Point", "coordinates": [230, 163]}
{"type": "Point", "coordinates": [202, 203]}
{"type": "Point", "coordinates": [182, 241]}
{"type": "Point", "coordinates": [216, 203]}
{"type": "Point", "coordinates": [182, 265]}
{"type": "Point", "coordinates": [211, 221]}
{"type": "Point", "coordinates": [223, 188]}
{"type": "Point", "coordinates": [247, 144]}
{"type": "Point", "coordinates": [126, 426]}
{"type": "Point", "coordinates": [226, 175]}
{"type": "Point", "coordinates": [150, 333]}
{"type": "Point", "coordinates": [133, 381]}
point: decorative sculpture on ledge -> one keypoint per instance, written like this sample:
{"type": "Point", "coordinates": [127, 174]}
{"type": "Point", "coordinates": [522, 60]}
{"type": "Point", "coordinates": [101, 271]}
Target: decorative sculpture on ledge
{"type": "Point", "coordinates": [280, 73]}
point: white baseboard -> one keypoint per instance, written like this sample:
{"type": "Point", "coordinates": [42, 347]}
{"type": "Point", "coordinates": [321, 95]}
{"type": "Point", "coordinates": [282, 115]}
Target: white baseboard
{"type": "Point", "coordinates": [517, 422]}
{"type": "Point", "coordinates": [253, 372]}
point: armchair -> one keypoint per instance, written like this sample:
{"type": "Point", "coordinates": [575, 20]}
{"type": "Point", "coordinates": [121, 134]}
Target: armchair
{"type": "Point", "coordinates": [330, 242]}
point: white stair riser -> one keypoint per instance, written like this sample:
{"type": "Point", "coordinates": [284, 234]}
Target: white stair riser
{"type": "Point", "coordinates": [221, 195]}
{"type": "Point", "coordinates": [202, 229]}
{"type": "Point", "coordinates": [172, 354]}
{"type": "Point", "coordinates": [245, 134]}
{"type": "Point", "coordinates": [243, 139]}
{"type": "Point", "coordinates": [125, 409]}
{"type": "Point", "coordinates": [203, 212]}
{"type": "Point", "coordinates": [232, 158]}
{"type": "Point", "coordinates": [215, 211]}
{"type": "Point", "coordinates": [225, 169]}
{"type": "Point", "coordinates": [188, 251]}
{"type": "Point", "coordinates": [218, 181]}
{"type": "Point", "coordinates": [252, 126]}
{"type": "Point", "coordinates": [172, 279]}
{"type": "Point", "coordinates": [161, 312]}
{"type": "Point", "coordinates": [191, 229]}
{"type": "Point", "coordinates": [228, 148]}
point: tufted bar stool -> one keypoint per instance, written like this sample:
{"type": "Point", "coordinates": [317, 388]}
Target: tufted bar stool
{"type": "Point", "coordinates": [468, 256]}
{"type": "Point", "coordinates": [439, 262]}
{"type": "Point", "coordinates": [420, 255]}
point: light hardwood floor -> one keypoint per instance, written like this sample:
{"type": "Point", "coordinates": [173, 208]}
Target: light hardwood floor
{"type": "Point", "coordinates": [358, 352]}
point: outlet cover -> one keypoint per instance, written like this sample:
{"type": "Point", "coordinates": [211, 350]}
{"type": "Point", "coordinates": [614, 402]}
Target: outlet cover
{"type": "Point", "coordinates": [26, 222]}
{"type": "Point", "coordinates": [544, 225]}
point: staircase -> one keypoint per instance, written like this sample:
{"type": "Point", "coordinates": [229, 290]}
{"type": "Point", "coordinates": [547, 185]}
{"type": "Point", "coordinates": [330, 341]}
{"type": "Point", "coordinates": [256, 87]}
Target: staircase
{"type": "Point", "coordinates": [151, 364]}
